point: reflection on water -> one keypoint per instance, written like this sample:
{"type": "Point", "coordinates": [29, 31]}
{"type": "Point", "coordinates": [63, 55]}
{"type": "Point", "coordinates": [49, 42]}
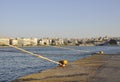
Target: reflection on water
{"type": "Point", "coordinates": [14, 63]}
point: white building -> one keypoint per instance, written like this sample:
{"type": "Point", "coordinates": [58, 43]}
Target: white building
{"type": "Point", "coordinates": [4, 41]}
{"type": "Point", "coordinates": [34, 41]}
{"type": "Point", "coordinates": [14, 42]}
{"type": "Point", "coordinates": [29, 41]}
{"type": "Point", "coordinates": [26, 42]}
{"type": "Point", "coordinates": [45, 41]}
{"type": "Point", "coordinates": [20, 41]}
{"type": "Point", "coordinates": [59, 42]}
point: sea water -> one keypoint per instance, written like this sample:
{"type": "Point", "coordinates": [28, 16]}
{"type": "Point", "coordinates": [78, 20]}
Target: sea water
{"type": "Point", "coordinates": [14, 63]}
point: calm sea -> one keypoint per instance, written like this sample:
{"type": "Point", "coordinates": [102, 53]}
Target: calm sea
{"type": "Point", "coordinates": [14, 63]}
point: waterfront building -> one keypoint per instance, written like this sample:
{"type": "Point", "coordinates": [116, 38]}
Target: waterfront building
{"type": "Point", "coordinates": [29, 41]}
{"type": "Point", "coordinates": [14, 42]}
{"type": "Point", "coordinates": [20, 41]}
{"type": "Point", "coordinates": [26, 42]}
{"type": "Point", "coordinates": [34, 41]}
{"type": "Point", "coordinates": [45, 41]}
{"type": "Point", "coordinates": [59, 42]}
{"type": "Point", "coordinates": [4, 41]}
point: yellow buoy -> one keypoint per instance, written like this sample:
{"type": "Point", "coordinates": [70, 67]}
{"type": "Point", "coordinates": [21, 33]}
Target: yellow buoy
{"type": "Point", "coordinates": [101, 53]}
{"type": "Point", "coordinates": [63, 63]}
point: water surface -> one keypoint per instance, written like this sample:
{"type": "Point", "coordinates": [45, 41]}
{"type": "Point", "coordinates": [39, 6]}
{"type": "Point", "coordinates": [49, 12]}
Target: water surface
{"type": "Point", "coordinates": [14, 63]}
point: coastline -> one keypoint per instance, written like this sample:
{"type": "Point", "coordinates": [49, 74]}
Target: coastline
{"type": "Point", "coordinates": [90, 69]}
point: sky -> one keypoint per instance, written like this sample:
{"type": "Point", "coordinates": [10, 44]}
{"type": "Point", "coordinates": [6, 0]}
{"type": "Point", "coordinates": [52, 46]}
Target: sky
{"type": "Point", "coordinates": [60, 18]}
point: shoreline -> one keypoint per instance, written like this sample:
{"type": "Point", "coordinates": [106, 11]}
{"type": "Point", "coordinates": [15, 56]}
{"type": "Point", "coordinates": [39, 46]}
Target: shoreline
{"type": "Point", "coordinates": [48, 46]}
{"type": "Point", "coordinates": [88, 69]}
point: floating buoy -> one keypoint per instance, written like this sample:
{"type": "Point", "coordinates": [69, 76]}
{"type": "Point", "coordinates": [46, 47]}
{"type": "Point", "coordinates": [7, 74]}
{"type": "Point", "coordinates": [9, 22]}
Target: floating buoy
{"type": "Point", "coordinates": [63, 63]}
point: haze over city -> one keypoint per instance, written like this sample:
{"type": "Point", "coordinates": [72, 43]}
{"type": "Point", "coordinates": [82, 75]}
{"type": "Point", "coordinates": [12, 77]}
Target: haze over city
{"type": "Point", "coordinates": [59, 18]}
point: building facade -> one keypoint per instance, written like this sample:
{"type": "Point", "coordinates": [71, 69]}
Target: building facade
{"type": "Point", "coordinates": [4, 41]}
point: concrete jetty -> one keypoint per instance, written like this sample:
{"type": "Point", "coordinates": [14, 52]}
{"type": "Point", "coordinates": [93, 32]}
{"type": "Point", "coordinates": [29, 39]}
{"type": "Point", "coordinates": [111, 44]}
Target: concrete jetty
{"type": "Point", "coordinates": [96, 68]}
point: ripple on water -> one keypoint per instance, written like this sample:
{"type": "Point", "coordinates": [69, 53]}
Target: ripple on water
{"type": "Point", "coordinates": [14, 64]}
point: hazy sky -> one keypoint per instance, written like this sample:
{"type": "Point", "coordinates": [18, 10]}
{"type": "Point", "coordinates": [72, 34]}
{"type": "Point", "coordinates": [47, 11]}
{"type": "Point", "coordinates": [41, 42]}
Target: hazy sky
{"type": "Point", "coordinates": [59, 18]}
